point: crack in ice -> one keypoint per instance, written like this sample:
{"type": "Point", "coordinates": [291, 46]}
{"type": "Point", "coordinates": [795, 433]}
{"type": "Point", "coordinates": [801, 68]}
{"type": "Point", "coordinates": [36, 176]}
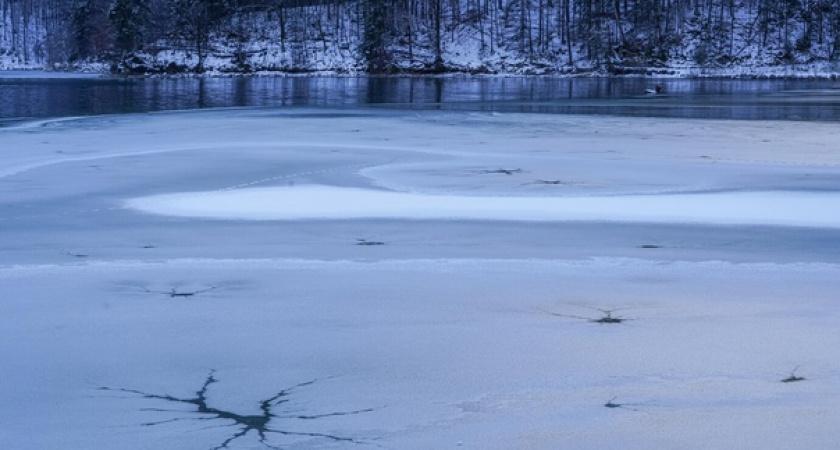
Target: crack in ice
{"type": "Point", "coordinates": [259, 423]}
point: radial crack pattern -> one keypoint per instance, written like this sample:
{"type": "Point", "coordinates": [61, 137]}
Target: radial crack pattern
{"type": "Point", "coordinates": [261, 424]}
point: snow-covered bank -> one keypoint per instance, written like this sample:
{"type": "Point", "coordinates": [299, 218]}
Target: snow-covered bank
{"type": "Point", "coordinates": [815, 71]}
{"type": "Point", "coordinates": [123, 329]}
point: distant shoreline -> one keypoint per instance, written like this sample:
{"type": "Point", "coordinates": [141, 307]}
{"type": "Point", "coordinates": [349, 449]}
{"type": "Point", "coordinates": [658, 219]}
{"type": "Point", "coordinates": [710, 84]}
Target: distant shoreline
{"type": "Point", "coordinates": [47, 74]}
{"type": "Point", "coordinates": [779, 73]}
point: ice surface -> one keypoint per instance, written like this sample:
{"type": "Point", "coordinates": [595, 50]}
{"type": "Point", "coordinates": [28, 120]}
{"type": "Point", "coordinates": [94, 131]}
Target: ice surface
{"type": "Point", "coordinates": [461, 327]}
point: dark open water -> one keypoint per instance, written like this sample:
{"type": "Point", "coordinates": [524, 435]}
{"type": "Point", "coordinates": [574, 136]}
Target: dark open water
{"type": "Point", "coordinates": [811, 100]}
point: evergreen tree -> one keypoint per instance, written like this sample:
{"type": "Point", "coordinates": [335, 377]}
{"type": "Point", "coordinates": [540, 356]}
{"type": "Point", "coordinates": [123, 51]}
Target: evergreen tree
{"type": "Point", "coordinates": [82, 28]}
{"type": "Point", "coordinates": [373, 46]}
{"type": "Point", "coordinates": [130, 19]}
{"type": "Point", "coordinates": [89, 29]}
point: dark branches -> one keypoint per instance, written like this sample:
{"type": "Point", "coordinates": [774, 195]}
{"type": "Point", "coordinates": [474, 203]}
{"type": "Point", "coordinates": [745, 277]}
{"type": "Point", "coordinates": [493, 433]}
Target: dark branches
{"type": "Point", "coordinates": [501, 171]}
{"type": "Point", "coordinates": [366, 242]}
{"type": "Point", "coordinates": [607, 319]}
{"type": "Point", "coordinates": [175, 293]}
{"type": "Point", "coordinates": [612, 404]}
{"type": "Point", "coordinates": [793, 378]}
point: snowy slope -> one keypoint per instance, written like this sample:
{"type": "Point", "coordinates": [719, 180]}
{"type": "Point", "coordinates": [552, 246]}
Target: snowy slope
{"type": "Point", "coordinates": [703, 38]}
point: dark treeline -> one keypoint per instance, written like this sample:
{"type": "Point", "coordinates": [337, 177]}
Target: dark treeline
{"type": "Point", "coordinates": [418, 35]}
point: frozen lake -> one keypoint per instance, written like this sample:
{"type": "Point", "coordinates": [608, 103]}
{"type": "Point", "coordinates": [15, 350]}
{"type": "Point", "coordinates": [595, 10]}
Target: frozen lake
{"type": "Point", "coordinates": [416, 276]}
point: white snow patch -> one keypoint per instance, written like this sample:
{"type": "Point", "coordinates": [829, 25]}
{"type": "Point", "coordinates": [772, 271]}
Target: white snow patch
{"type": "Point", "coordinates": [325, 202]}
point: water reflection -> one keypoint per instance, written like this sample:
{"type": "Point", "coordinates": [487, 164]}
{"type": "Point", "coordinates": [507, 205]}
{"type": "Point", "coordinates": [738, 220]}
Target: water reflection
{"type": "Point", "coordinates": [721, 99]}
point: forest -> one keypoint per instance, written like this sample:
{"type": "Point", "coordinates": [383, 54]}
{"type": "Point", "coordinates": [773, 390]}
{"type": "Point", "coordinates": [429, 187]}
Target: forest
{"type": "Point", "coordinates": [417, 36]}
